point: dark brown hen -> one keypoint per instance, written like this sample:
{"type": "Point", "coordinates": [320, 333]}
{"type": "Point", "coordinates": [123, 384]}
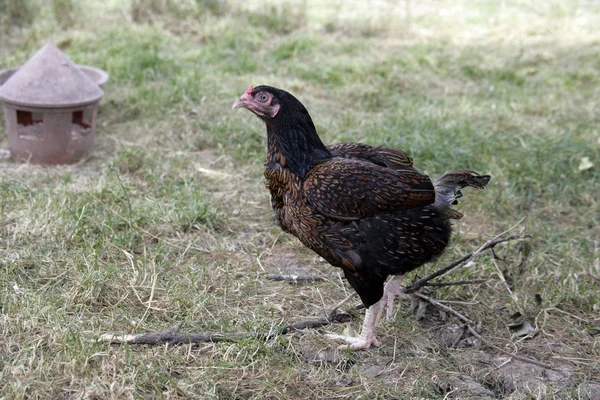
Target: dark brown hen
{"type": "Point", "coordinates": [364, 209]}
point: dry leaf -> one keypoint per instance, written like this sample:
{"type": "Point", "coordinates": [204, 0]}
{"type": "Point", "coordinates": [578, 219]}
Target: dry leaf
{"type": "Point", "coordinates": [585, 164]}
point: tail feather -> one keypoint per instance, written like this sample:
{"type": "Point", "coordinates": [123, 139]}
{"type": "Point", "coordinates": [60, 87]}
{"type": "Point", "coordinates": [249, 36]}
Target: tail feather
{"type": "Point", "coordinates": [448, 189]}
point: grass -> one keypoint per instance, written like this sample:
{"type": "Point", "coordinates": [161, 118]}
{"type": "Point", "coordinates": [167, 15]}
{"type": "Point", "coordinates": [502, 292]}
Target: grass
{"type": "Point", "coordinates": [169, 220]}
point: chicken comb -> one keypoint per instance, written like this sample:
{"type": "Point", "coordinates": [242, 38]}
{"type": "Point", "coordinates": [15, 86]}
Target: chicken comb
{"type": "Point", "coordinates": [250, 90]}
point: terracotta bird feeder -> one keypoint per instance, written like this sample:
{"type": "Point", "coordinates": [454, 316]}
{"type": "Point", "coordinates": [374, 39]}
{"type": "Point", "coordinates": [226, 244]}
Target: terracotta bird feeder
{"type": "Point", "coordinates": [50, 106]}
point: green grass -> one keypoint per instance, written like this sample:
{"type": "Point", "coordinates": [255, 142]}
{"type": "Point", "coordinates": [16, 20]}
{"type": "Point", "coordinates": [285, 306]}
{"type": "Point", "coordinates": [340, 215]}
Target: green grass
{"type": "Point", "coordinates": [169, 221]}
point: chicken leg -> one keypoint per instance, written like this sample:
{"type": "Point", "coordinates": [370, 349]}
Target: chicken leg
{"type": "Point", "coordinates": [367, 334]}
{"type": "Point", "coordinates": [392, 290]}
{"type": "Point", "coordinates": [372, 317]}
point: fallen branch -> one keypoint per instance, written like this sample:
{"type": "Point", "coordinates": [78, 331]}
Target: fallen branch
{"type": "Point", "coordinates": [469, 326]}
{"type": "Point", "coordinates": [295, 278]}
{"type": "Point", "coordinates": [465, 282]}
{"type": "Point", "coordinates": [312, 324]}
{"type": "Point", "coordinates": [301, 278]}
{"type": "Point", "coordinates": [490, 244]}
{"type": "Point", "coordinates": [460, 337]}
{"type": "Point", "coordinates": [341, 303]}
{"type": "Point", "coordinates": [172, 335]}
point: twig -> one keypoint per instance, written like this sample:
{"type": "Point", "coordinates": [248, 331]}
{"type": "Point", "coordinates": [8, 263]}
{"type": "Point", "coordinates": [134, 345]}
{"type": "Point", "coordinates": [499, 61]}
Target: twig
{"type": "Point", "coordinates": [462, 303]}
{"type": "Point", "coordinates": [465, 282]}
{"type": "Point", "coordinates": [490, 244]}
{"type": "Point", "coordinates": [294, 278]}
{"type": "Point", "coordinates": [172, 335]}
{"type": "Point", "coordinates": [459, 338]}
{"type": "Point", "coordinates": [478, 336]}
{"type": "Point", "coordinates": [339, 305]}
{"type": "Point", "coordinates": [300, 278]}
{"type": "Point", "coordinates": [335, 318]}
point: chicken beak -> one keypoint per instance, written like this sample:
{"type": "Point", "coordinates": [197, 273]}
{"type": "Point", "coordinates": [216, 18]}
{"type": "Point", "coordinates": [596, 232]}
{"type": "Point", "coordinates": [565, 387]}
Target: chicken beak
{"type": "Point", "coordinates": [238, 104]}
{"type": "Point", "coordinates": [243, 102]}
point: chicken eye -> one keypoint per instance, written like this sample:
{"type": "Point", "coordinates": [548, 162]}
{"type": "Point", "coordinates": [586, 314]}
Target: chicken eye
{"type": "Point", "coordinates": [262, 97]}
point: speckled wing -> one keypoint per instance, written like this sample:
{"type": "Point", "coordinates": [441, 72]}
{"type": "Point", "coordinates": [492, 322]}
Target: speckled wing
{"type": "Point", "coordinates": [383, 156]}
{"type": "Point", "coordinates": [347, 189]}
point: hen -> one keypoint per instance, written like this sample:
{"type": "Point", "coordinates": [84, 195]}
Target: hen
{"type": "Point", "coordinates": [364, 209]}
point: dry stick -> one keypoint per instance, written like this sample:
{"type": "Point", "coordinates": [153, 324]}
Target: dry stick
{"type": "Point", "coordinates": [465, 282]}
{"type": "Point", "coordinates": [293, 278]}
{"type": "Point", "coordinates": [490, 244]}
{"type": "Point", "coordinates": [172, 335]}
{"type": "Point", "coordinates": [487, 245]}
{"type": "Point", "coordinates": [478, 336]}
{"type": "Point", "coordinates": [416, 285]}
{"type": "Point", "coordinates": [339, 305]}
{"type": "Point", "coordinates": [300, 278]}
{"type": "Point", "coordinates": [463, 260]}
{"type": "Point", "coordinates": [334, 318]}
{"type": "Point", "coordinates": [459, 338]}
{"type": "Point", "coordinates": [425, 281]}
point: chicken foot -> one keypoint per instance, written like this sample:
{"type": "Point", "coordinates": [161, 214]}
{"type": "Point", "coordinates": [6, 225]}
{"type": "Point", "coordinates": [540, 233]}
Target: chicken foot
{"type": "Point", "coordinates": [373, 315]}
{"type": "Point", "coordinates": [367, 334]}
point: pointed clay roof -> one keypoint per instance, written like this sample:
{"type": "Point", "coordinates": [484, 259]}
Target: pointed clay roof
{"type": "Point", "coordinates": [50, 79]}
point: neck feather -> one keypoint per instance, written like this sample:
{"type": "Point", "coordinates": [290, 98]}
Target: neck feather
{"type": "Point", "coordinates": [297, 141]}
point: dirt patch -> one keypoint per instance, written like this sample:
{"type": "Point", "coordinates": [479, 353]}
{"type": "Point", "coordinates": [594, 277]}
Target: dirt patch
{"type": "Point", "coordinates": [286, 261]}
{"type": "Point", "coordinates": [465, 386]}
{"type": "Point", "coordinates": [325, 355]}
{"type": "Point", "coordinates": [210, 164]}
{"type": "Point", "coordinates": [591, 390]}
